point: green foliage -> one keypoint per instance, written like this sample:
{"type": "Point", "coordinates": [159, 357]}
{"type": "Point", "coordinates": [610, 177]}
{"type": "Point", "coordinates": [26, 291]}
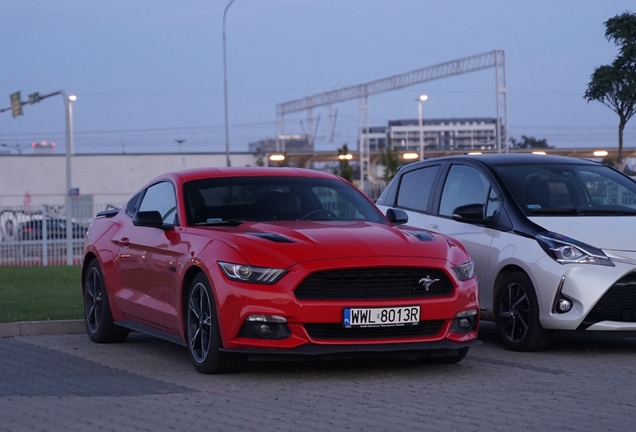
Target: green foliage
{"type": "Point", "coordinates": [345, 170]}
{"type": "Point", "coordinates": [527, 142]}
{"type": "Point", "coordinates": [391, 161]}
{"type": "Point", "coordinates": [615, 85]}
{"type": "Point", "coordinates": [40, 293]}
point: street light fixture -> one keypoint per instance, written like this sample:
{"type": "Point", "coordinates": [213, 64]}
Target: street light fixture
{"type": "Point", "coordinates": [421, 99]}
{"type": "Point", "coordinates": [17, 147]}
{"type": "Point", "coordinates": [227, 133]}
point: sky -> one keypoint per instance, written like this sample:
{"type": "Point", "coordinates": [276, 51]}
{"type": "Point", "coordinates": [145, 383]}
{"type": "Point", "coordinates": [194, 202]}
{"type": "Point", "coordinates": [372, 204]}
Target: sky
{"type": "Point", "coordinates": [149, 73]}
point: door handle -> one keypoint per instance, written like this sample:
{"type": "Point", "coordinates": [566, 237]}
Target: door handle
{"type": "Point", "coordinates": [434, 228]}
{"type": "Point", "coordinates": [124, 241]}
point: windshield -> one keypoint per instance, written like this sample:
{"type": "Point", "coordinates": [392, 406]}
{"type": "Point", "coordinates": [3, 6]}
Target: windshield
{"type": "Point", "coordinates": [231, 200]}
{"type": "Point", "coordinates": [568, 189]}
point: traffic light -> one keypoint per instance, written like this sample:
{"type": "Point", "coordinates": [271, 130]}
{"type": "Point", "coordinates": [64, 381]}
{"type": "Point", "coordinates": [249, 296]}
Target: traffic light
{"type": "Point", "coordinates": [16, 104]}
{"type": "Point", "coordinates": [34, 98]}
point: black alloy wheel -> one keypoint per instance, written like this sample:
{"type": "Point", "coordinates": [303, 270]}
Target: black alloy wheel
{"type": "Point", "coordinates": [203, 334]}
{"type": "Point", "coordinates": [517, 315]}
{"type": "Point", "coordinates": [97, 316]}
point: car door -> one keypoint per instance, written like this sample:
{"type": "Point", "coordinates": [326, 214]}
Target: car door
{"type": "Point", "coordinates": [149, 262]}
{"type": "Point", "coordinates": [466, 185]}
{"type": "Point", "coordinates": [415, 193]}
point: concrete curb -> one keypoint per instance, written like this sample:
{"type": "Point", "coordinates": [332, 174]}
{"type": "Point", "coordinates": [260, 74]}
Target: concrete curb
{"type": "Point", "coordinates": [40, 328]}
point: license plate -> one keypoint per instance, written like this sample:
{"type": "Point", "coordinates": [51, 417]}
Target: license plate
{"type": "Point", "coordinates": [381, 317]}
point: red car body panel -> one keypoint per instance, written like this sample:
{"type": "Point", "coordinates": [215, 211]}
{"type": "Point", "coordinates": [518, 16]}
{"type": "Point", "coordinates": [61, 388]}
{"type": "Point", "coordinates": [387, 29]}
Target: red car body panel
{"type": "Point", "coordinates": [146, 270]}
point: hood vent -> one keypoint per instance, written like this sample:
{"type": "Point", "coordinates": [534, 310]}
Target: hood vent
{"type": "Point", "coordinates": [422, 235]}
{"type": "Point", "coordinates": [272, 237]}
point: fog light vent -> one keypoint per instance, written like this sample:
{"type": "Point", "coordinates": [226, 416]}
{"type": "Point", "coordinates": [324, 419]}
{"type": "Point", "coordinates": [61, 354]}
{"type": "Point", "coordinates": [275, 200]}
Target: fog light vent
{"type": "Point", "coordinates": [265, 327]}
{"type": "Point", "coordinates": [465, 324]}
{"type": "Point", "coordinates": [563, 305]}
{"type": "Point", "coordinates": [465, 321]}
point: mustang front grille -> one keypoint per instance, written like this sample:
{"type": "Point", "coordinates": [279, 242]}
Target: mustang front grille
{"type": "Point", "coordinates": [617, 304]}
{"type": "Point", "coordinates": [337, 331]}
{"type": "Point", "coordinates": [375, 284]}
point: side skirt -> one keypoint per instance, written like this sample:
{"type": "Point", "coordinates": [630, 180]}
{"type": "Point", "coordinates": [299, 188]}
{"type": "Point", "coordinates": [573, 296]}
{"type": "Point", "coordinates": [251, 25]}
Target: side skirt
{"type": "Point", "coordinates": [135, 326]}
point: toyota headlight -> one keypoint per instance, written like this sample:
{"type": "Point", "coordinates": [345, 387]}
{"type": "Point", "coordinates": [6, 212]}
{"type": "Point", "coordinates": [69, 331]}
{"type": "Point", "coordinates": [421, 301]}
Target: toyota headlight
{"type": "Point", "coordinates": [565, 250]}
{"type": "Point", "coordinates": [247, 273]}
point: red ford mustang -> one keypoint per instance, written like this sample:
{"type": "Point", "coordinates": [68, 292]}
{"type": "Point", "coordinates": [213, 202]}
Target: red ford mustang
{"type": "Point", "coordinates": [235, 261]}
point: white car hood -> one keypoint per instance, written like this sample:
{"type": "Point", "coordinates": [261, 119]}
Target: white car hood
{"type": "Point", "coordinates": [610, 233]}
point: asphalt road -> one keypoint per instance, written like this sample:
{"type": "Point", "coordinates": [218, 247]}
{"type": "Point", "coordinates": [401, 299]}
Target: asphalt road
{"type": "Point", "coordinates": [67, 383]}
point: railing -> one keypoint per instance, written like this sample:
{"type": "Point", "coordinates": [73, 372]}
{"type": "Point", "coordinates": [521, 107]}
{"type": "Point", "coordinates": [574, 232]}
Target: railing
{"type": "Point", "coordinates": [37, 235]}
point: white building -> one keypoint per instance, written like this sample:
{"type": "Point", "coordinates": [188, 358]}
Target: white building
{"type": "Point", "coordinates": [477, 133]}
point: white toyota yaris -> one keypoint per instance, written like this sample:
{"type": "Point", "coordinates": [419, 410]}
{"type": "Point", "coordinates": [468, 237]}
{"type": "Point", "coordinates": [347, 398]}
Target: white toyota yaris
{"type": "Point", "coordinates": [553, 238]}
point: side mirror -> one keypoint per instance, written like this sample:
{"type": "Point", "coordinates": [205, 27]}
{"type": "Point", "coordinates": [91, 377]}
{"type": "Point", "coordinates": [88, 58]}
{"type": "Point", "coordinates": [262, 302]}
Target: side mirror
{"type": "Point", "coordinates": [150, 219]}
{"type": "Point", "coordinates": [397, 216]}
{"type": "Point", "coordinates": [471, 213]}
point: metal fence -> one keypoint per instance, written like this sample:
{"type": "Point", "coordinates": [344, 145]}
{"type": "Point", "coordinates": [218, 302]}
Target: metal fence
{"type": "Point", "coordinates": [38, 235]}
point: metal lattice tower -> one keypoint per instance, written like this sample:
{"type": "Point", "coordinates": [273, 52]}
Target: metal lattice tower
{"type": "Point", "coordinates": [496, 59]}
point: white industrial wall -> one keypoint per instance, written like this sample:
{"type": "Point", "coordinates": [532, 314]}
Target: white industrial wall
{"type": "Point", "coordinates": [109, 179]}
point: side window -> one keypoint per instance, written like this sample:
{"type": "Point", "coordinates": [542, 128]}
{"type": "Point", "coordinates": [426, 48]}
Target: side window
{"type": "Point", "coordinates": [466, 185]}
{"type": "Point", "coordinates": [132, 205]}
{"type": "Point", "coordinates": [415, 188]}
{"type": "Point", "coordinates": [160, 197]}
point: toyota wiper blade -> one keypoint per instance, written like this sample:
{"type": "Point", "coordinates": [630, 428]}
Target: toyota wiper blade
{"type": "Point", "coordinates": [555, 210]}
{"type": "Point", "coordinates": [608, 211]}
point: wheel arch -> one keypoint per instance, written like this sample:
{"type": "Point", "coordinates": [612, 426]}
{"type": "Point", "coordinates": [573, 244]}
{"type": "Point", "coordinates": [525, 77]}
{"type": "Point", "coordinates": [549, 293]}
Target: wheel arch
{"type": "Point", "coordinates": [503, 273]}
{"type": "Point", "coordinates": [188, 277]}
{"type": "Point", "coordinates": [88, 258]}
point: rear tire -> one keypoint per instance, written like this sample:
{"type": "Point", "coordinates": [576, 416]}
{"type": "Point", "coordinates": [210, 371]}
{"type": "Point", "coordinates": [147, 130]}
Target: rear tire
{"type": "Point", "coordinates": [435, 358]}
{"type": "Point", "coordinates": [203, 334]}
{"type": "Point", "coordinates": [97, 316]}
{"type": "Point", "coordinates": [517, 315]}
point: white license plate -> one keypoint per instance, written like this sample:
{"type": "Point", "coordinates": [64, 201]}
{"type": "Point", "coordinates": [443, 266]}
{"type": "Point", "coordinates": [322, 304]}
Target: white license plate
{"type": "Point", "coordinates": [381, 317]}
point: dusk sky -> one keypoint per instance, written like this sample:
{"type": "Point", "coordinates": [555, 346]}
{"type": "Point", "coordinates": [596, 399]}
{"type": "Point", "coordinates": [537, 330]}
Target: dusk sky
{"type": "Point", "coordinates": [150, 72]}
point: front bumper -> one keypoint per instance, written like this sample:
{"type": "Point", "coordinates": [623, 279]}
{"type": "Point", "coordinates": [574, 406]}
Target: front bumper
{"type": "Point", "coordinates": [603, 298]}
{"type": "Point", "coordinates": [308, 319]}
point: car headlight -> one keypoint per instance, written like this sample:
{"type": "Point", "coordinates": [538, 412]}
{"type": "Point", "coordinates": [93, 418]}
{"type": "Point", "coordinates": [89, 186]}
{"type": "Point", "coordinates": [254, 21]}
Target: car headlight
{"type": "Point", "coordinates": [247, 273]}
{"type": "Point", "coordinates": [465, 271]}
{"type": "Point", "coordinates": [565, 250]}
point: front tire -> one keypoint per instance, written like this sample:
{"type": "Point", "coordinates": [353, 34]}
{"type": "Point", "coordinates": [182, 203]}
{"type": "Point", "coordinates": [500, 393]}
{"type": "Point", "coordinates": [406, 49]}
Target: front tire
{"type": "Point", "coordinates": [204, 336]}
{"type": "Point", "coordinates": [517, 315]}
{"type": "Point", "coordinates": [97, 316]}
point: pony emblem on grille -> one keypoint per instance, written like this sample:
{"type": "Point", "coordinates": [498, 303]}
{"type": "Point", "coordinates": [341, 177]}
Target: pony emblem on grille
{"type": "Point", "coordinates": [427, 282]}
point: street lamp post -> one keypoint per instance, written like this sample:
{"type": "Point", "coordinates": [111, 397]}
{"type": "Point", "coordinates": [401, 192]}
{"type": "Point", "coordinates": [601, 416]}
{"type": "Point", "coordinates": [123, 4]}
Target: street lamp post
{"type": "Point", "coordinates": [421, 99]}
{"type": "Point", "coordinates": [68, 108]}
{"type": "Point", "coordinates": [227, 133]}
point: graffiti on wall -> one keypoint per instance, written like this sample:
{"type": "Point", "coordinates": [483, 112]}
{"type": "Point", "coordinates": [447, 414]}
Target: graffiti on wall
{"type": "Point", "coordinates": [13, 221]}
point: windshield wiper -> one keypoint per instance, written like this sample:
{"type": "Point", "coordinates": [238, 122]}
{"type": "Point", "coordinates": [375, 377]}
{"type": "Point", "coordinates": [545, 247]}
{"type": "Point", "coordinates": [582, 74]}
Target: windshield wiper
{"type": "Point", "coordinates": [219, 222]}
{"type": "Point", "coordinates": [555, 210]}
{"type": "Point", "coordinates": [610, 210]}
{"type": "Point", "coordinates": [584, 210]}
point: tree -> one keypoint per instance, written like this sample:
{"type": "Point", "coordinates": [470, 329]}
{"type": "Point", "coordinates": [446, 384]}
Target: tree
{"type": "Point", "coordinates": [345, 170]}
{"type": "Point", "coordinates": [530, 143]}
{"type": "Point", "coordinates": [615, 85]}
{"type": "Point", "coordinates": [391, 161]}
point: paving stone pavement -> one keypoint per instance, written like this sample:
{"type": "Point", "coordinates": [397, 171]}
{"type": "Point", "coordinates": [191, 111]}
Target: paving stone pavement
{"type": "Point", "coordinates": [67, 383]}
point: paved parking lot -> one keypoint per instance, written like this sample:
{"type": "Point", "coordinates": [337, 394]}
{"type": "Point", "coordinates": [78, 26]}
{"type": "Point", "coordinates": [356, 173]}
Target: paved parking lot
{"type": "Point", "coordinates": [65, 382]}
